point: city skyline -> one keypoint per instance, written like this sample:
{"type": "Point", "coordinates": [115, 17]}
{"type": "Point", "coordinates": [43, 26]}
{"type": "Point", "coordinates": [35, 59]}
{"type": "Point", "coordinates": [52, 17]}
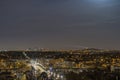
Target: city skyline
{"type": "Point", "coordinates": [59, 24]}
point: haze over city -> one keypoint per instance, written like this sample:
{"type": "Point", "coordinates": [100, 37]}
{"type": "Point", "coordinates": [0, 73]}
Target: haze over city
{"type": "Point", "coordinates": [59, 24]}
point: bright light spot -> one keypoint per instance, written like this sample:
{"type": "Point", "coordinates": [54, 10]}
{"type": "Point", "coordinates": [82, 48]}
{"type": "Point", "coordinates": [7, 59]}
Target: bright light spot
{"type": "Point", "coordinates": [58, 75]}
{"type": "Point", "coordinates": [61, 76]}
{"type": "Point", "coordinates": [54, 74]}
{"type": "Point", "coordinates": [51, 73]}
{"type": "Point", "coordinates": [50, 68]}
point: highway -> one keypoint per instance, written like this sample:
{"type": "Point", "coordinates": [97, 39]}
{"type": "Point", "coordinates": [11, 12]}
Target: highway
{"type": "Point", "coordinates": [41, 71]}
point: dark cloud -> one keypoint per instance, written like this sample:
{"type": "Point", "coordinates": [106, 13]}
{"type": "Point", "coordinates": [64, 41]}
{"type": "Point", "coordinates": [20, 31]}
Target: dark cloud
{"type": "Point", "coordinates": [59, 23]}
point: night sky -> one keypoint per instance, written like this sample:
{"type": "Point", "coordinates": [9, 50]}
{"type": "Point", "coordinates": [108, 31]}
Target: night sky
{"type": "Point", "coordinates": [59, 24]}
